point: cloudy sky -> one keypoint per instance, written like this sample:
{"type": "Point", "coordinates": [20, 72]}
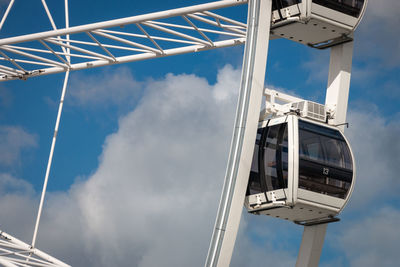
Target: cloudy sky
{"type": "Point", "coordinates": [142, 149]}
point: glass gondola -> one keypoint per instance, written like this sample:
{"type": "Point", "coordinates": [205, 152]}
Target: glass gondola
{"type": "Point", "coordinates": [302, 170]}
{"type": "Point", "coordinates": [317, 23]}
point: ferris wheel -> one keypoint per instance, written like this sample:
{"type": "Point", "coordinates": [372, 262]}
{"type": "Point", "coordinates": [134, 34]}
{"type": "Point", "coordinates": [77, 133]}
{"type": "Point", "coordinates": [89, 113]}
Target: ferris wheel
{"type": "Point", "coordinates": [290, 160]}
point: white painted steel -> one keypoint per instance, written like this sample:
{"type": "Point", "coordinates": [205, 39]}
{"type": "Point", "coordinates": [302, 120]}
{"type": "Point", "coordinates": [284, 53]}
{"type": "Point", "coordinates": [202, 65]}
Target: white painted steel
{"type": "Point", "coordinates": [314, 24]}
{"type": "Point", "coordinates": [253, 73]}
{"type": "Point", "coordinates": [124, 21]}
{"type": "Point", "coordinates": [53, 143]}
{"type": "Point", "coordinates": [12, 61]}
{"type": "Point", "coordinates": [7, 263]}
{"type": "Point", "coordinates": [65, 45]}
{"type": "Point", "coordinates": [244, 134]}
{"type": "Point", "coordinates": [15, 253]}
{"type": "Point", "coordinates": [60, 108]}
{"type": "Point", "coordinates": [55, 53]}
{"type": "Point", "coordinates": [6, 13]}
{"type": "Point", "coordinates": [96, 52]}
{"type": "Point", "coordinates": [122, 40]}
{"type": "Point", "coordinates": [49, 15]}
{"type": "Point", "coordinates": [66, 9]}
{"type": "Point", "coordinates": [311, 245]}
{"type": "Point", "coordinates": [216, 23]}
{"type": "Point", "coordinates": [38, 58]}
{"type": "Point", "coordinates": [185, 36]}
{"type": "Point", "coordinates": [337, 93]}
{"type": "Point", "coordinates": [125, 59]}
{"type": "Point", "coordinates": [52, 20]}
{"type": "Point", "coordinates": [293, 159]}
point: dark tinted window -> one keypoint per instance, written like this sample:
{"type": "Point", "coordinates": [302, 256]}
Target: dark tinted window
{"type": "Point", "coordinates": [278, 4]}
{"type": "Point", "coordinates": [269, 170]}
{"type": "Point", "coordinates": [349, 7]}
{"type": "Point", "coordinates": [325, 163]}
{"type": "Point", "coordinates": [275, 157]}
{"type": "Point", "coordinates": [254, 184]}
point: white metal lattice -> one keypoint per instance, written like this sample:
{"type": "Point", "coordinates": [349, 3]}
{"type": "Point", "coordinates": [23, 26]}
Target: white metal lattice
{"type": "Point", "coordinates": [15, 253]}
{"type": "Point", "coordinates": [159, 34]}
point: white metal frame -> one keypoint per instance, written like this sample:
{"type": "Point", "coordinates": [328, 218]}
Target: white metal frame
{"type": "Point", "coordinates": [121, 40]}
{"type": "Point", "coordinates": [200, 29]}
{"type": "Point", "coordinates": [99, 44]}
{"type": "Point", "coordinates": [15, 253]}
{"type": "Point", "coordinates": [337, 96]}
{"type": "Point", "coordinates": [244, 133]}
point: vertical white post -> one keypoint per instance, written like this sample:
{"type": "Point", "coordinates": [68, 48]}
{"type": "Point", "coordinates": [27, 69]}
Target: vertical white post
{"type": "Point", "coordinates": [337, 97]}
{"type": "Point", "coordinates": [311, 245]}
{"type": "Point", "coordinates": [337, 93]}
{"type": "Point", "coordinates": [244, 134]}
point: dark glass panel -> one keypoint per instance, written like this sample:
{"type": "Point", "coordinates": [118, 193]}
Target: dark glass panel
{"type": "Point", "coordinates": [279, 4]}
{"type": "Point", "coordinates": [254, 184]}
{"type": "Point", "coordinates": [349, 7]}
{"type": "Point", "coordinates": [269, 169]}
{"type": "Point", "coordinates": [325, 164]}
{"type": "Point", "coordinates": [269, 158]}
{"type": "Point", "coordinates": [285, 157]}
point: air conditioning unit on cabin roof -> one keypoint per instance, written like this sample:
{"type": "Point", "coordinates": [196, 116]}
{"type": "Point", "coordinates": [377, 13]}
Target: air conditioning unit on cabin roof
{"type": "Point", "coordinates": [310, 110]}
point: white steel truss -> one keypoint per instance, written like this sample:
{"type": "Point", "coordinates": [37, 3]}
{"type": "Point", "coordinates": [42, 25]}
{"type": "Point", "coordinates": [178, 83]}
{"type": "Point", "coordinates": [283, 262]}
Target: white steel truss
{"type": "Point", "coordinates": [159, 34]}
{"type": "Point", "coordinates": [15, 253]}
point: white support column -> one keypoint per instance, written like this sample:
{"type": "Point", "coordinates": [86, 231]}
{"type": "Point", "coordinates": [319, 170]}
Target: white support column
{"type": "Point", "coordinates": [244, 135]}
{"type": "Point", "coordinates": [337, 93]}
{"type": "Point", "coordinates": [337, 97]}
{"type": "Point", "coordinates": [311, 245]}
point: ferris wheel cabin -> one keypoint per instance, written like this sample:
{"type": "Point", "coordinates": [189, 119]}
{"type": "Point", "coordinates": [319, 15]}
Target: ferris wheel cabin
{"type": "Point", "coordinates": [317, 23]}
{"type": "Point", "coordinates": [302, 171]}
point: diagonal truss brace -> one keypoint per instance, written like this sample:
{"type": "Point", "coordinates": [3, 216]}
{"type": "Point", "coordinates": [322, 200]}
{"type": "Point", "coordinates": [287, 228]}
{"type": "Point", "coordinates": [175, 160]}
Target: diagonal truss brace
{"type": "Point", "coordinates": [15, 253]}
{"type": "Point", "coordinates": [159, 34]}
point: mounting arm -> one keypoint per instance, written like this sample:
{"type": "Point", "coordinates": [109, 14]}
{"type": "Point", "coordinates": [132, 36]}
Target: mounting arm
{"type": "Point", "coordinates": [337, 96]}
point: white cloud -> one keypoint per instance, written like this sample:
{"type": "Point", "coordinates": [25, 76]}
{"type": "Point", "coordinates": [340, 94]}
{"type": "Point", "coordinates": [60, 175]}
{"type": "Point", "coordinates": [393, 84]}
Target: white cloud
{"type": "Point", "coordinates": [227, 85]}
{"type": "Point", "coordinates": [153, 199]}
{"type": "Point", "coordinates": [17, 206]}
{"type": "Point", "coordinates": [372, 241]}
{"type": "Point", "coordinates": [376, 150]}
{"type": "Point", "coordinates": [4, 2]}
{"type": "Point", "coordinates": [376, 47]}
{"type": "Point", "coordinates": [263, 239]}
{"type": "Point", "coordinates": [317, 66]}
{"type": "Point", "coordinates": [11, 185]}
{"type": "Point", "coordinates": [117, 87]}
{"type": "Point", "coordinates": [13, 140]}
{"type": "Point", "coordinates": [378, 34]}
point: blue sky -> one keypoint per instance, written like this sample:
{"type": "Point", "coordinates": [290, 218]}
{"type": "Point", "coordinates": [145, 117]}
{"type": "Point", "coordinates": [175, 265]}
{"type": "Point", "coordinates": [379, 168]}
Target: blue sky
{"type": "Point", "coordinates": [147, 142]}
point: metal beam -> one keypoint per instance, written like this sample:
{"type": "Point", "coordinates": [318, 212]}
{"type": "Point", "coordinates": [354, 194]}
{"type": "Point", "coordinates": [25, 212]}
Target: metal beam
{"type": "Point", "coordinates": [337, 97]}
{"type": "Point", "coordinates": [15, 253]}
{"type": "Point", "coordinates": [311, 245]}
{"type": "Point", "coordinates": [337, 93]}
{"type": "Point", "coordinates": [244, 134]}
{"type": "Point", "coordinates": [109, 48]}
